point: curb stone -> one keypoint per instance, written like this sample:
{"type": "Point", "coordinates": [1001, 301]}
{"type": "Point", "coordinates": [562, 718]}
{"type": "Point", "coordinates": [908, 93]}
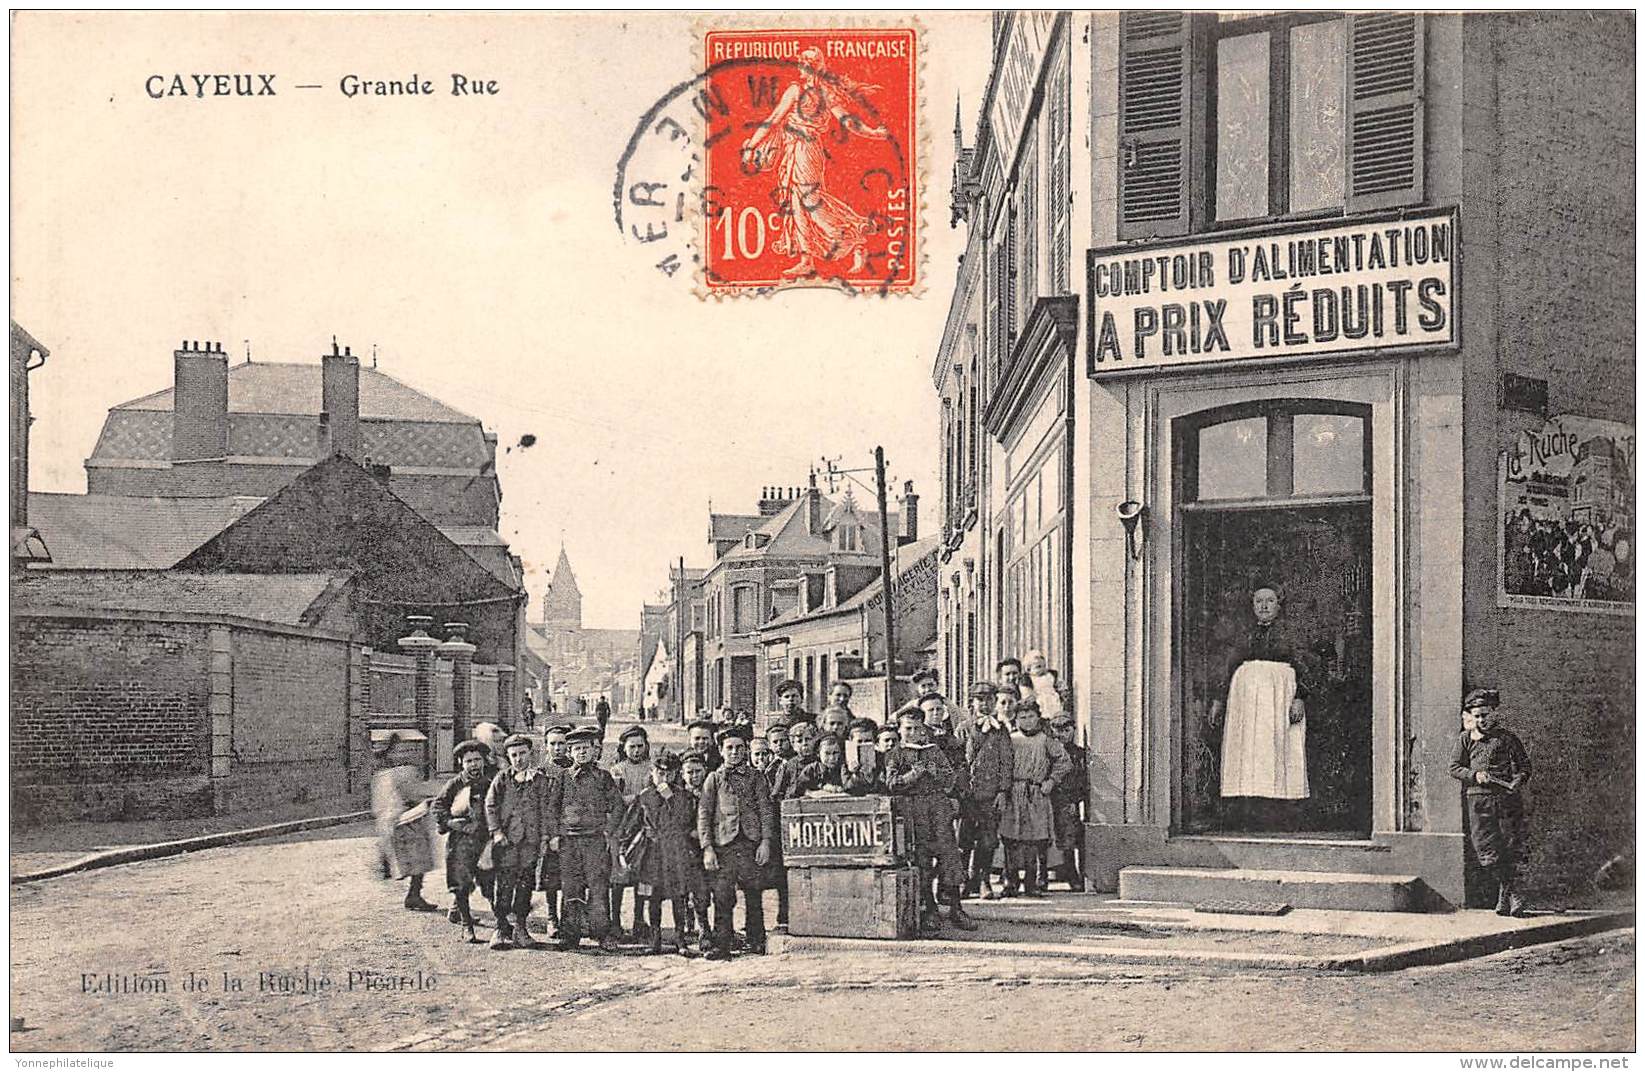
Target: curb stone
{"type": "Point", "coordinates": [1378, 959]}
{"type": "Point", "coordinates": [136, 853]}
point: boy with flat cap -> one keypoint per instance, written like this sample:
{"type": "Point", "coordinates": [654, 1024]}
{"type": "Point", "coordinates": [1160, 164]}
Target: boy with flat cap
{"type": "Point", "coordinates": [584, 807]}
{"type": "Point", "coordinates": [514, 810]}
{"type": "Point", "coordinates": [919, 773]}
{"type": "Point", "coordinates": [737, 825]}
{"type": "Point", "coordinates": [459, 811]}
{"type": "Point", "coordinates": [1491, 762]}
{"type": "Point", "coordinates": [988, 760]}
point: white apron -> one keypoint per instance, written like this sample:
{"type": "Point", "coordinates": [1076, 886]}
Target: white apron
{"type": "Point", "coordinates": [1263, 753]}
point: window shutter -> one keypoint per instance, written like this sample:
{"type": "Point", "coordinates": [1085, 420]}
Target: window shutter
{"type": "Point", "coordinates": [1058, 179]}
{"type": "Point", "coordinates": [1385, 120]}
{"type": "Point", "coordinates": [1008, 289]}
{"type": "Point", "coordinates": [1154, 168]}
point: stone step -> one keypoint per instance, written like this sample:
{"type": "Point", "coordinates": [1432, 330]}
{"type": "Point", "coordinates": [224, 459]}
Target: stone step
{"type": "Point", "coordinates": [1299, 889]}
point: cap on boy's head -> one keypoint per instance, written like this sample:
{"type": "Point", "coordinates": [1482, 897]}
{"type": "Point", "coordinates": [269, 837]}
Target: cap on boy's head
{"type": "Point", "coordinates": [1024, 706]}
{"type": "Point", "coordinates": [911, 711]}
{"type": "Point", "coordinates": [927, 674]}
{"type": "Point", "coordinates": [703, 724]}
{"type": "Point", "coordinates": [790, 685]}
{"type": "Point", "coordinates": [1063, 722]}
{"type": "Point", "coordinates": [517, 738]}
{"type": "Point", "coordinates": [694, 756]}
{"type": "Point", "coordinates": [633, 731]}
{"type": "Point", "coordinates": [563, 728]}
{"type": "Point", "coordinates": [934, 698]}
{"type": "Point", "coordinates": [739, 732]}
{"type": "Point", "coordinates": [1003, 689]}
{"type": "Point", "coordinates": [583, 735]}
{"type": "Point", "coordinates": [470, 748]}
{"type": "Point", "coordinates": [1482, 698]}
{"type": "Point", "coordinates": [867, 725]}
{"type": "Point", "coordinates": [666, 761]}
{"type": "Point", "coordinates": [777, 723]}
{"type": "Point", "coordinates": [983, 690]}
{"type": "Point", "coordinates": [1008, 661]}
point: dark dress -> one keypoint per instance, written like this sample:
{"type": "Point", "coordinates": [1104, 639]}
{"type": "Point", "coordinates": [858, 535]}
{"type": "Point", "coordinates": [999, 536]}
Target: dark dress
{"type": "Point", "coordinates": [672, 864]}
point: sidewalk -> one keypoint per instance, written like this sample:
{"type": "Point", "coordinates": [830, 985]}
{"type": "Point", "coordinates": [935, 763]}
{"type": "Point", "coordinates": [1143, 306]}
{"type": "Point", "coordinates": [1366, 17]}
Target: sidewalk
{"type": "Point", "coordinates": [1099, 927]}
{"type": "Point", "coordinates": [43, 847]}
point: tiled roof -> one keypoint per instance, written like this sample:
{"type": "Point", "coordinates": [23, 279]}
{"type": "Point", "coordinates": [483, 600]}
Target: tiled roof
{"type": "Point", "coordinates": [280, 387]}
{"type": "Point", "coordinates": [905, 558]}
{"type": "Point", "coordinates": [128, 532]}
{"type": "Point", "coordinates": [282, 598]}
{"type": "Point", "coordinates": [732, 526]}
{"type": "Point", "coordinates": [274, 412]}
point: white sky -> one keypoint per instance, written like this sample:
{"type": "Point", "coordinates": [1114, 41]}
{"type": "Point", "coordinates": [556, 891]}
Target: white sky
{"type": "Point", "coordinates": [472, 242]}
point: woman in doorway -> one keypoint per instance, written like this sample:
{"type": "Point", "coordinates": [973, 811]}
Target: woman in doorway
{"type": "Point", "coordinates": [1264, 741]}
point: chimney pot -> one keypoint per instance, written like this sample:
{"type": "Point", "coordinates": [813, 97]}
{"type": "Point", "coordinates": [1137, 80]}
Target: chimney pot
{"type": "Point", "coordinates": [340, 399]}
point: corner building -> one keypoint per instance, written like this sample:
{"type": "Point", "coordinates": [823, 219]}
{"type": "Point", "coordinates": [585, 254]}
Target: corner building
{"type": "Point", "coordinates": [1336, 304]}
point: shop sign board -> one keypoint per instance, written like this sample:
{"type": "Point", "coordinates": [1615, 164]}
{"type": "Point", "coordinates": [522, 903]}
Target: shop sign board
{"type": "Point", "coordinates": [1365, 286]}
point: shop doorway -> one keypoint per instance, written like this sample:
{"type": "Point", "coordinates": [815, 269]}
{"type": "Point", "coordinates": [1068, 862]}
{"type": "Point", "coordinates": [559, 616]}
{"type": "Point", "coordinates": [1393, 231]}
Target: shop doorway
{"type": "Point", "coordinates": [1274, 495]}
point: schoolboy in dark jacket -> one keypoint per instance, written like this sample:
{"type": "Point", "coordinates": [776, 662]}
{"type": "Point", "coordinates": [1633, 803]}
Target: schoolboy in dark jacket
{"type": "Point", "coordinates": [1492, 764]}
{"type": "Point", "coordinates": [459, 811]}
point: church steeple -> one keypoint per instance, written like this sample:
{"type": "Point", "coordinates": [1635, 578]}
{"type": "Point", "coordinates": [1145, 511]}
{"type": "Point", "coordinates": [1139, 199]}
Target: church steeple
{"type": "Point", "coordinates": [563, 602]}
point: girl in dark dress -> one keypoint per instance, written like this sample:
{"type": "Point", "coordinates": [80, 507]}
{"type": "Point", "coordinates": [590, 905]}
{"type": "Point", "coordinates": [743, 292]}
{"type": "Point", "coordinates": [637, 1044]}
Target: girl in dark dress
{"type": "Point", "coordinates": [660, 829]}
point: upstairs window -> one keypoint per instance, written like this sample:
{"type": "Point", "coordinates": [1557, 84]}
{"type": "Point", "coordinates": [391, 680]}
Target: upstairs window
{"type": "Point", "coordinates": [1303, 114]}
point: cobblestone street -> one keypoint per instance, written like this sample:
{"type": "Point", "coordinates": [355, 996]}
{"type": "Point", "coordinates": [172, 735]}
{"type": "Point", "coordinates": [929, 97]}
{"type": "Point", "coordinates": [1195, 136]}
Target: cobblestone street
{"type": "Point", "coordinates": [310, 904]}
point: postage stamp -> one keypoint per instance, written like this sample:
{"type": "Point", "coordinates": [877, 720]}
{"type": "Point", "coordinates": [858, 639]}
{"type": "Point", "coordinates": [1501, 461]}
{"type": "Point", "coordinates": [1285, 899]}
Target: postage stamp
{"type": "Point", "coordinates": [815, 181]}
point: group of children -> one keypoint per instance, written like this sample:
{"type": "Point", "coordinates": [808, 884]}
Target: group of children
{"type": "Point", "coordinates": [699, 828]}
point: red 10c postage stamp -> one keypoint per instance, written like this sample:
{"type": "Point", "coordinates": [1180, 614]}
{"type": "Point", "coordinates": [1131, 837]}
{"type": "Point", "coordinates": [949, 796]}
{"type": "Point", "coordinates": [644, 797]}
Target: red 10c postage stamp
{"type": "Point", "coordinates": [809, 174]}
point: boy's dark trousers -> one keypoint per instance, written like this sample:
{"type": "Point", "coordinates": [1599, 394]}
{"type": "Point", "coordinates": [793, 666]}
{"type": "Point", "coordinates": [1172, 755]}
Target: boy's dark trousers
{"type": "Point", "coordinates": [463, 874]}
{"type": "Point", "coordinates": [515, 884]}
{"type": "Point", "coordinates": [548, 880]}
{"type": "Point", "coordinates": [979, 839]}
{"type": "Point", "coordinates": [738, 871]}
{"type": "Point", "coordinates": [585, 879]}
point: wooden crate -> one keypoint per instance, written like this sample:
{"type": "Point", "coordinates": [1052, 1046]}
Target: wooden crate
{"type": "Point", "coordinates": [854, 902]}
{"type": "Point", "coordinates": [842, 831]}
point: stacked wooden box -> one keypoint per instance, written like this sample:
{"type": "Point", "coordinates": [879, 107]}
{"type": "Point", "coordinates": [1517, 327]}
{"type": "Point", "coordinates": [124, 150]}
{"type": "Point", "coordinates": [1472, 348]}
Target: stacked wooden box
{"type": "Point", "coordinates": [848, 874]}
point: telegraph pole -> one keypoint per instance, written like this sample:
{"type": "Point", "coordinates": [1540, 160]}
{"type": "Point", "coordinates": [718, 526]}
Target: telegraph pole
{"type": "Point", "coordinates": [887, 585]}
{"type": "Point", "coordinates": [680, 610]}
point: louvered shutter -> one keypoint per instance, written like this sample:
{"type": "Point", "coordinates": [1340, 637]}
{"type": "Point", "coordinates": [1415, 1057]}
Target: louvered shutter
{"type": "Point", "coordinates": [1155, 180]}
{"type": "Point", "coordinates": [1385, 120]}
{"type": "Point", "coordinates": [1058, 200]}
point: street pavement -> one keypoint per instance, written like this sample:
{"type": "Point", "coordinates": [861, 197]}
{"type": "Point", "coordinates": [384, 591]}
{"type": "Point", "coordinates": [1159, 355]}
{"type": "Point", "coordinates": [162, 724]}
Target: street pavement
{"type": "Point", "coordinates": [325, 957]}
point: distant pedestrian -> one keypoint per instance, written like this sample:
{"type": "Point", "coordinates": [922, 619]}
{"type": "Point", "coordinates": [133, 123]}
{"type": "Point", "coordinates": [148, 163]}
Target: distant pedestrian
{"type": "Point", "coordinates": [1491, 762]}
{"type": "Point", "coordinates": [602, 715]}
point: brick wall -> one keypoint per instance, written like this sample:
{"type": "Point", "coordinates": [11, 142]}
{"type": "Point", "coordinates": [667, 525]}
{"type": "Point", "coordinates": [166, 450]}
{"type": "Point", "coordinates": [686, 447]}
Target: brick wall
{"type": "Point", "coordinates": [108, 718]}
{"type": "Point", "coordinates": [290, 721]}
{"type": "Point", "coordinates": [1550, 207]}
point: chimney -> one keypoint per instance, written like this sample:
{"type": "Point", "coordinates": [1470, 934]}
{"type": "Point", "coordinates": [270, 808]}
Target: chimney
{"type": "Point", "coordinates": [908, 515]}
{"type": "Point", "coordinates": [199, 408]}
{"type": "Point", "coordinates": [774, 500]}
{"type": "Point", "coordinates": [813, 507]}
{"type": "Point", "coordinates": [340, 401]}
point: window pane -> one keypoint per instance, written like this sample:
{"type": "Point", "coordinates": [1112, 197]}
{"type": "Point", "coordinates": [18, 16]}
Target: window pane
{"type": "Point", "coordinates": [1319, 70]}
{"type": "Point", "coordinates": [1242, 126]}
{"type": "Point", "coordinates": [1329, 454]}
{"type": "Point", "coordinates": [1233, 459]}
